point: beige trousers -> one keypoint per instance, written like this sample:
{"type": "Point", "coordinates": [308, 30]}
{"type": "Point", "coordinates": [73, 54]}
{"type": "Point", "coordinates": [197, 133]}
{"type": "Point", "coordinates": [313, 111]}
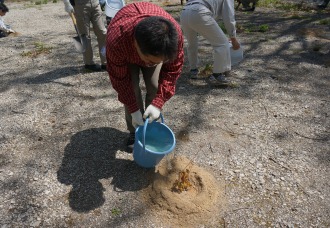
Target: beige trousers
{"type": "Point", "coordinates": [89, 12]}
{"type": "Point", "coordinates": [197, 19]}
{"type": "Point", "coordinates": [150, 76]}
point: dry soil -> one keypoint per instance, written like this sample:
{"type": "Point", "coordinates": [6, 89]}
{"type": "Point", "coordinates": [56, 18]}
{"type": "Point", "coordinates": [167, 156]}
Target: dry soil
{"type": "Point", "coordinates": [257, 151]}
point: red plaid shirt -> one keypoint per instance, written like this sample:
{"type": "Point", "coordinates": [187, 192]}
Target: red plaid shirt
{"type": "Point", "coordinates": [120, 52]}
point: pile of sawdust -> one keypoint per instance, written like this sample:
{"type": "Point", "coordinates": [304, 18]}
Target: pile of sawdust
{"type": "Point", "coordinates": [197, 205]}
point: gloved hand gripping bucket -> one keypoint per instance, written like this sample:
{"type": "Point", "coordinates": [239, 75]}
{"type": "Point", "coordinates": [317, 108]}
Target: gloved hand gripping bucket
{"type": "Point", "coordinates": [152, 142]}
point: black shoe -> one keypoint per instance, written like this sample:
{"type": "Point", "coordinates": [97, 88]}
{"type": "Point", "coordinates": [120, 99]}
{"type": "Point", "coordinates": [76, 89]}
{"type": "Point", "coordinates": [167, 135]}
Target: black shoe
{"type": "Point", "coordinates": [131, 140]}
{"type": "Point", "coordinates": [104, 67]}
{"type": "Point", "coordinates": [93, 67]}
{"type": "Point", "coordinates": [194, 73]}
{"type": "Point", "coordinates": [321, 6]}
{"type": "Point", "coordinates": [248, 9]}
{"type": "Point", "coordinates": [218, 79]}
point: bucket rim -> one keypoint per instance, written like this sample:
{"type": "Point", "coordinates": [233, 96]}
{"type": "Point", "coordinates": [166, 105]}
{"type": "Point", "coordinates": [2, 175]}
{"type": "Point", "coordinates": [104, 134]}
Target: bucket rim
{"type": "Point", "coordinates": [155, 152]}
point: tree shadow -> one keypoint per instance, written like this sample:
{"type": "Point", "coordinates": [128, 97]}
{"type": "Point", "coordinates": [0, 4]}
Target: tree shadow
{"type": "Point", "coordinates": [91, 156]}
{"type": "Point", "coordinates": [51, 76]}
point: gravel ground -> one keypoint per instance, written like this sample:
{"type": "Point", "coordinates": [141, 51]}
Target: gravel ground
{"type": "Point", "coordinates": [265, 139]}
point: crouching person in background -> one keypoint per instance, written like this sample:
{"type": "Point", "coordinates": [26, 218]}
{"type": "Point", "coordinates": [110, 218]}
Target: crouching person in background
{"type": "Point", "coordinates": [5, 30]}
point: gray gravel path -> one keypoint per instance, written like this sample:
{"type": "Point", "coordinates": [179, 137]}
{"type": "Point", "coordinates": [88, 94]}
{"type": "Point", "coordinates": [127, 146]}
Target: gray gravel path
{"type": "Point", "coordinates": [62, 158]}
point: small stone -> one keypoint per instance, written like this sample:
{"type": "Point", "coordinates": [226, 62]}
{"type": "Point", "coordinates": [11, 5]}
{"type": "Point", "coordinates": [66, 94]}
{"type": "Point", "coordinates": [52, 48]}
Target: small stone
{"type": "Point", "coordinates": [35, 223]}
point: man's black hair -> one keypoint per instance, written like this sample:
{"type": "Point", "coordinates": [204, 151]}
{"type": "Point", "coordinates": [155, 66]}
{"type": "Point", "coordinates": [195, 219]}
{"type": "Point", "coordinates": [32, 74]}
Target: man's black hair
{"type": "Point", "coordinates": [157, 36]}
{"type": "Point", "coordinates": [3, 7]}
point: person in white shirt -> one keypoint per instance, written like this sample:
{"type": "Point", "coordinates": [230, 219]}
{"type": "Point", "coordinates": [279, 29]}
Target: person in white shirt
{"type": "Point", "coordinates": [199, 17]}
{"type": "Point", "coordinates": [5, 30]}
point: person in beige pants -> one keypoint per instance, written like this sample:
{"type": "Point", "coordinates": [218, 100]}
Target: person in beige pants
{"type": "Point", "coordinates": [199, 17]}
{"type": "Point", "coordinates": [89, 12]}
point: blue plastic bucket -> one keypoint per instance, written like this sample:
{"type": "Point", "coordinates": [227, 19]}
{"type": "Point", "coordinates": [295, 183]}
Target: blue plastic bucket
{"type": "Point", "coordinates": [236, 55]}
{"type": "Point", "coordinates": [152, 142]}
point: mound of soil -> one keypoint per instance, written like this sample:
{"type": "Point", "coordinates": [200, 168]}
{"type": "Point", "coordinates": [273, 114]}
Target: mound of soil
{"type": "Point", "coordinates": [199, 202]}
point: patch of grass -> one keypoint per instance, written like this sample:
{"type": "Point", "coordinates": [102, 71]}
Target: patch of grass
{"type": "Point", "coordinates": [39, 48]}
{"type": "Point", "coordinates": [325, 21]}
{"type": "Point", "coordinates": [297, 16]}
{"type": "Point", "coordinates": [256, 28]}
{"type": "Point", "coordinates": [288, 6]}
{"type": "Point", "coordinates": [208, 69]}
{"type": "Point", "coordinates": [222, 26]}
{"type": "Point", "coordinates": [115, 212]}
{"type": "Point", "coordinates": [41, 2]}
{"type": "Point", "coordinates": [35, 2]}
{"type": "Point", "coordinates": [268, 3]}
{"type": "Point", "coordinates": [263, 28]}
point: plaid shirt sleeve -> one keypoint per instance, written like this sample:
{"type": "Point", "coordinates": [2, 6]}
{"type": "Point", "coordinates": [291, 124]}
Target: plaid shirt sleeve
{"type": "Point", "coordinates": [121, 52]}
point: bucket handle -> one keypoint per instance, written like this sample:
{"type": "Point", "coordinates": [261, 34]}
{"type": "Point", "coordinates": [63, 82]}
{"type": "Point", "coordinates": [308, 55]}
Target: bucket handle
{"type": "Point", "coordinates": [145, 129]}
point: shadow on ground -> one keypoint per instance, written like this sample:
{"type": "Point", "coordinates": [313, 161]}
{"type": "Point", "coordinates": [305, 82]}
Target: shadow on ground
{"type": "Point", "coordinates": [91, 156]}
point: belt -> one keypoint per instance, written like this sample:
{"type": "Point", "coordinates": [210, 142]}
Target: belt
{"type": "Point", "coordinates": [194, 3]}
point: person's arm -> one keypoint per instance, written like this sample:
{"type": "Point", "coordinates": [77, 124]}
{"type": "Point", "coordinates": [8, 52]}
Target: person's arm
{"type": "Point", "coordinates": [120, 77]}
{"type": "Point", "coordinates": [235, 43]}
{"type": "Point", "coordinates": [4, 27]}
{"type": "Point", "coordinates": [168, 77]}
{"type": "Point", "coordinates": [228, 16]}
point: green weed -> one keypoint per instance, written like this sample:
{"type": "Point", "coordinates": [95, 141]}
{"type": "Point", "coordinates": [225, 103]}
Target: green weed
{"type": "Point", "coordinates": [41, 2]}
{"type": "Point", "coordinates": [263, 28]}
{"type": "Point", "coordinates": [222, 26]}
{"type": "Point", "coordinates": [115, 211]}
{"type": "Point", "coordinates": [39, 48]}
{"type": "Point", "coordinates": [268, 3]}
{"type": "Point", "coordinates": [324, 22]}
{"type": "Point", "coordinates": [256, 28]}
{"type": "Point", "coordinates": [288, 6]}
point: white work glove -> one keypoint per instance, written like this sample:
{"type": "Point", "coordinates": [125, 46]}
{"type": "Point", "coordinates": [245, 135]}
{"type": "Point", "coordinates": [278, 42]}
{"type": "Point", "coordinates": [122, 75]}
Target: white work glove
{"type": "Point", "coordinates": [152, 112]}
{"type": "Point", "coordinates": [137, 119]}
{"type": "Point", "coordinates": [68, 7]}
{"type": "Point", "coordinates": [10, 31]}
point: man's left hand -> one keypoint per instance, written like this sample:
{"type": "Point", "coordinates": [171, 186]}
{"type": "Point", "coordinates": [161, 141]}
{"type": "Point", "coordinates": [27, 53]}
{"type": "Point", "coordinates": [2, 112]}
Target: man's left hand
{"type": "Point", "coordinates": [152, 112]}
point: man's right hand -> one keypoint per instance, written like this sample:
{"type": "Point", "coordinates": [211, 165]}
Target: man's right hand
{"type": "Point", "coordinates": [137, 119]}
{"type": "Point", "coordinates": [68, 7]}
{"type": "Point", "coordinates": [235, 43]}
